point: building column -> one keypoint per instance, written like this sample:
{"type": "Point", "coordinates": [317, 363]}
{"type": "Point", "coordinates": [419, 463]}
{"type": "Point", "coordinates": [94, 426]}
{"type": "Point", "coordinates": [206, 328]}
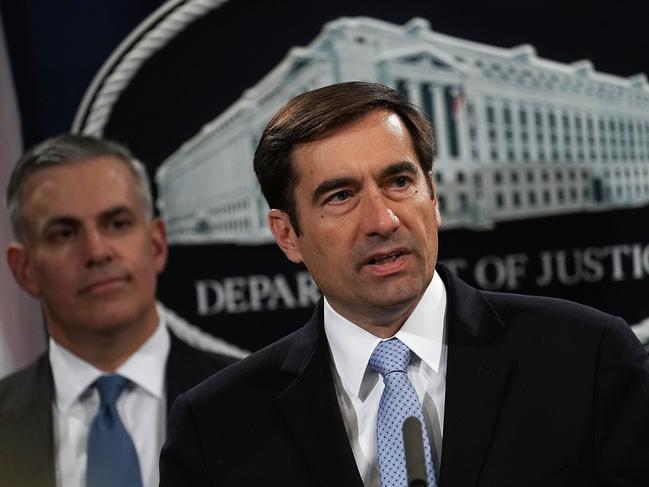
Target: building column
{"type": "Point", "coordinates": [481, 126]}
{"type": "Point", "coordinates": [440, 122]}
{"type": "Point", "coordinates": [414, 93]}
{"type": "Point", "coordinates": [499, 122]}
{"type": "Point", "coordinates": [634, 146]}
{"type": "Point", "coordinates": [558, 118]}
{"type": "Point", "coordinates": [532, 132]}
{"type": "Point", "coordinates": [584, 138]}
{"type": "Point", "coordinates": [572, 121]}
{"type": "Point", "coordinates": [545, 115]}
{"type": "Point", "coordinates": [517, 142]}
{"type": "Point", "coordinates": [598, 147]}
{"type": "Point", "coordinates": [641, 152]}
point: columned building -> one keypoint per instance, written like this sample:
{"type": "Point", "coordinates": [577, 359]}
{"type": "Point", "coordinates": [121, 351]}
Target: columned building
{"type": "Point", "coordinates": [516, 136]}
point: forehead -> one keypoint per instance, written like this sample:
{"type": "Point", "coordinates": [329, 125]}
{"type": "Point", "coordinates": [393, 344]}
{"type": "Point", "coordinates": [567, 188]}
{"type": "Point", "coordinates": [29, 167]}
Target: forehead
{"type": "Point", "coordinates": [79, 188]}
{"type": "Point", "coordinates": [376, 139]}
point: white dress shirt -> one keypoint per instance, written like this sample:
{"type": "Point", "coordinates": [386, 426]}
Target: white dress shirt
{"type": "Point", "coordinates": [359, 387]}
{"type": "Point", "coordinates": [141, 406]}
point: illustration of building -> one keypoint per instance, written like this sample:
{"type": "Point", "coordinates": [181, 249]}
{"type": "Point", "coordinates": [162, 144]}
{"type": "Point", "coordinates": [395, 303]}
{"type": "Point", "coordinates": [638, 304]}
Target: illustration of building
{"type": "Point", "coordinates": [517, 136]}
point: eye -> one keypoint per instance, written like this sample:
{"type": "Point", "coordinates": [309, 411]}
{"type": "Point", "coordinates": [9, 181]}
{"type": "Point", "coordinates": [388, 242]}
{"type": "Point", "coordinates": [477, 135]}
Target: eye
{"type": "Point", "coordinates": [401, 181]}
{"type": "Point", "coordinates": [339, 197]}
{"type": "Point", "coordinates": [60, 234]}
{"type": "Point", "coordinates": [120, 223]}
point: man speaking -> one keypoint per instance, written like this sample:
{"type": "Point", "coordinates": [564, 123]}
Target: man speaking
{"type": "Point", "coordinates": [503, 390]}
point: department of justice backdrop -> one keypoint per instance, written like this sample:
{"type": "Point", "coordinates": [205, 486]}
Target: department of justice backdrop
{"type": "Point", "coordinates": [541, 117]}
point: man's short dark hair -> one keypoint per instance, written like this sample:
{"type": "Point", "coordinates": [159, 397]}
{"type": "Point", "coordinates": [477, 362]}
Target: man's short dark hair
{"type": "Point", "coordinates": [68, 149]}
{"type": "Point", "coordinates": [316, 114]}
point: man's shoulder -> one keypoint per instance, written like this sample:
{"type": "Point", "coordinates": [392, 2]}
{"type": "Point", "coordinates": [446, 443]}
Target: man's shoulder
{"type": "Point", "coordinates": [18, 389]}
{"type": "Point", "coordinates": [513, 305]}
{"type": "Point", "coordinates": [557, 324]}
{"type": "Point", "coordinates": [551, 312]}
{"type": "Point", "coordinates": [209, 359]}
{"type": "Point", "coordinates": [522, 314]}
{"type": "Point", "coordinates": [188, 365]}
{"type": "Point", "coordinates": [259, 374]}
{"type": "Point", "coordinates": [545, 304]}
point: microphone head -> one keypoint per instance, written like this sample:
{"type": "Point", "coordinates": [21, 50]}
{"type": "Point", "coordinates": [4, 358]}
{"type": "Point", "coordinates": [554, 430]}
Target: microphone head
{"type": "Point", "coordinates": [413, 445]}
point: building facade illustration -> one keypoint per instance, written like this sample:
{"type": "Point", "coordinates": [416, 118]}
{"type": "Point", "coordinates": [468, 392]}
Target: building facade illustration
{"type": "Point", "coordinates": [516, 136]}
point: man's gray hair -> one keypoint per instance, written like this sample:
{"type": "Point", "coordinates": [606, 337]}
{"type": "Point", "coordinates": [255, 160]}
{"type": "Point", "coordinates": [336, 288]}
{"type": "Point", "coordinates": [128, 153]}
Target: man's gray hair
{"type": "Point", "coordinates": [67, 149]}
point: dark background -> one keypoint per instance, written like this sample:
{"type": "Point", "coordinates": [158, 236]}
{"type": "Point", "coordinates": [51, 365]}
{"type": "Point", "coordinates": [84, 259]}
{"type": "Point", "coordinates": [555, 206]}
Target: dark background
{"type": "Point", "coordinates": [56, 48]}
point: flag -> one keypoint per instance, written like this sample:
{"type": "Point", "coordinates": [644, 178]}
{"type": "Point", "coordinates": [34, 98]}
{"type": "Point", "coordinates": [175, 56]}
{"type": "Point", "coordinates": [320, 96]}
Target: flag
{"type": "Point", "coordinates": [458, 101]}
{"type": "Point", "coordinates": [21, 323]}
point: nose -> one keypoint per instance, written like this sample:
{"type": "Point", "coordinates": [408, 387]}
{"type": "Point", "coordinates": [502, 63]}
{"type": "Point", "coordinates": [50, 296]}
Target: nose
{"type": "Point", "coordinates": [98, 250]}
{"type": "Point", "coordinates": [377, 218]}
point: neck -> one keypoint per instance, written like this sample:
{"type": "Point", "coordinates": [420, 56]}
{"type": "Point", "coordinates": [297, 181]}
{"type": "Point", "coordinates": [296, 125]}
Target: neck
{"type": "Point", "coordinates": [383, 323]}
{"type": "Point", "coordinates": [106, 350]}
{"type": "Point", "coordinates": [382, 331]}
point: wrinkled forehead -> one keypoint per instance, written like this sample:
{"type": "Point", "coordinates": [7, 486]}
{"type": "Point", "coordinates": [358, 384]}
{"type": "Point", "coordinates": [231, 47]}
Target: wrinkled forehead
{"type": "Point", "coordinates": [78, 189]}
{"type": "Point", "coordinates": [352, 123]}
{"type": "Point", "coordinates": [377, 134]}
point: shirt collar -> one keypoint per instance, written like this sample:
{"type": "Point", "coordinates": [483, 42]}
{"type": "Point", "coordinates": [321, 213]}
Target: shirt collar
{"type": "Point", "coordinates": [145, 368]}
{"type": "Point", "coordinates": [423, 332]}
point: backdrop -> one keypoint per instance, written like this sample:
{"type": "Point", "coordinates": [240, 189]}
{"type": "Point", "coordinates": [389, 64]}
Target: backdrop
{"type": "Point", "coordinates": [541, 116]}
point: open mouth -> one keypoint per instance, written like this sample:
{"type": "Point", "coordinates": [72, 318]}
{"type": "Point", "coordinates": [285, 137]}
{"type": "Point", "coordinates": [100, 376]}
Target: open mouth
{"type": "Point", "coordinates": [387, 259]}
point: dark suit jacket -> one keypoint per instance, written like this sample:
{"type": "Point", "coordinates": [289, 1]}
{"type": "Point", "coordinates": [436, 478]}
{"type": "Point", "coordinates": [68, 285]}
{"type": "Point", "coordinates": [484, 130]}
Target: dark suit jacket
{"type": "Point", "coordinates": [539, 392]}
{"type": "Point", "coordinates": [26, 434]}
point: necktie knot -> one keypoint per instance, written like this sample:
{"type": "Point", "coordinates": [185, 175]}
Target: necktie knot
{"type": "Point", "coordinates": [390, 356]}
{"type": "Point", "coordinates": [110, 387]}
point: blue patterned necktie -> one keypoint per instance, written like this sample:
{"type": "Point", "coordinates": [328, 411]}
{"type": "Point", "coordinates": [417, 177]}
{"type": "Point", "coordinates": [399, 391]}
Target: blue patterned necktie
{"type": "Point", "coordinates": [112, 459]}
{"type": "Point", "coordinates": [399, 401]}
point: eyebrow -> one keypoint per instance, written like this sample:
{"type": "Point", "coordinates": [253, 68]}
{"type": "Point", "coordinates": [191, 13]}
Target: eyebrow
{"type": "Point", "coordinates": [72, 220]}
{"type": "Point", "coordinates": [115, 211]}
{"type": "Point", "coordinates": [398, 168]}
{"type": "Point", "coordinates": [61, 220]}
{"type": "Point", "coordinates": [329, 185]}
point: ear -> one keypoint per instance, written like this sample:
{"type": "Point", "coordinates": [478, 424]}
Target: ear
{"type": "Point", "coordinates": [19, 262]}
{"type": "Point", "coordinates": [284, 234]}
{"type": "Point", "coordinates": [433, 196]}
{"type": "Point", "coordinates": [158, 236]}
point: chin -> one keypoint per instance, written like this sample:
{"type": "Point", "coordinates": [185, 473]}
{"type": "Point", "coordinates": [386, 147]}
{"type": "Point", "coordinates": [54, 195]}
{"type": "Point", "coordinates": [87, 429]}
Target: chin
{"type": "Point", "coordinates": [114, 317]}
{"type": "Point", "coordinates": [397, 298]}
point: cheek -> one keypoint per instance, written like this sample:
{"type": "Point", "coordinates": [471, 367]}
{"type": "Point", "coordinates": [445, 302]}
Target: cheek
{"type": "Point", "coordinates": [48, 269]}
{"type": "Point", "coordinates": [427, 226]}
{"type": "Point", "coordinates": [139, 254]}
{"type": "Point", "coordinates": [57, 285]}
{"type": "Point", "coordinates": [146, 269]}
{"type": "Point", "coordinates": [323, 252]}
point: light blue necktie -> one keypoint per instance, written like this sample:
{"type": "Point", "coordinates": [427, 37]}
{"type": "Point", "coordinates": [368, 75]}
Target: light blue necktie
{"type": "Point", "coordinates": [399, 401]}
{"type": "Point", "coordinates": [112, 459]}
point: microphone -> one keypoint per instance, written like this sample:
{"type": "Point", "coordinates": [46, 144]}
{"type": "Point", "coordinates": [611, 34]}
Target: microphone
{"type": "Point", "coordinates": [413, 444]}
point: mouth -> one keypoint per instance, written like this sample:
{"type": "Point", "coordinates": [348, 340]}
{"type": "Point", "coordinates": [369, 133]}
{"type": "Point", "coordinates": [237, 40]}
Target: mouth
{"type": "Point", "coordinates": [104, 285]}
{"type": "Point", "coordinates": [383, 259]}
{"type": "Point", "coordinates": [388, 263]}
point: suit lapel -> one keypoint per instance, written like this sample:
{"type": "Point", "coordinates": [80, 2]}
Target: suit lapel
{"type": "Point", "coordinates": [311, 408]}
{"type": "Point", "coordinates": [476, 382]}
{"type": "Point", "coordinates": [179, 370]}
{"type": "Point", "coordinates": [187, 366]}
{"type": "Point", "coordinates": [26, 425]}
